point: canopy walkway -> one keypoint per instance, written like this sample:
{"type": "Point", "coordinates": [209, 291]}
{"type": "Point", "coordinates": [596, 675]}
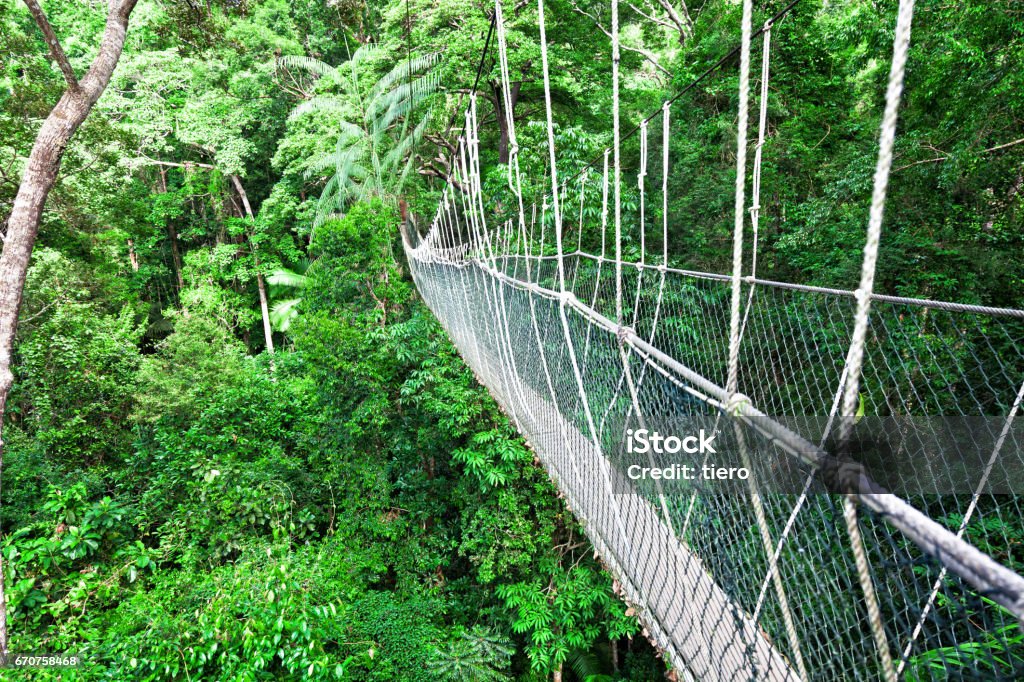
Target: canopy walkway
{"type": "Point", "coordinates": [809, 569]}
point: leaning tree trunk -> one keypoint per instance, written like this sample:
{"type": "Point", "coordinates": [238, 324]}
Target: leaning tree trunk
{"type": "Point", "coordinates": [268, 332]}
{"type": "Point", "coordinates": [40, 174]}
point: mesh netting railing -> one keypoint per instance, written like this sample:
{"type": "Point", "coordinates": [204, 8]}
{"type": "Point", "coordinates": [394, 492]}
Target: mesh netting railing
{"type": "Point", "coordinates": [811, 566]}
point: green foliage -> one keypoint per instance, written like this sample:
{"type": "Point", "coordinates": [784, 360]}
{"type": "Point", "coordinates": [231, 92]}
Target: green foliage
{"type": "Point", "coordinates": [995, 651]}
{"type": "Point", "coordinates": [258, 618]}
{"type": "Point", "coordinates": [197, 359]}
{"type": "Point", "coordinates": [567, 613]}
{"type": "Point", "coordinates": [77, 367]}
{"type": "Point", "coordinates": [476, 654]}
{"type": "Point", "coordinates": [378, 130]}
{"type": "Point", "coordinates": [175, 510]}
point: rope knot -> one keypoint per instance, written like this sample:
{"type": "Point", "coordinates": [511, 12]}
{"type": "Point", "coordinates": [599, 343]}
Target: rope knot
{"type": "Point", "coordinates": [621, 332]}
{"type": "Point", "coordinates": [566, 297]}
{"type": "Point", "coordinates": [735, 402]}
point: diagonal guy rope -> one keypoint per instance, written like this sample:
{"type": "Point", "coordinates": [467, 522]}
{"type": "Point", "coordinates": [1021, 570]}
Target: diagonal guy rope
{"type": "Point", "coordinates": [855, 358]}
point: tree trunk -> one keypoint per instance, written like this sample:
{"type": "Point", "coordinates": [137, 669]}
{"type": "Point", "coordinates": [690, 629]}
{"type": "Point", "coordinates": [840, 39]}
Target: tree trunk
{"type": "Point", "coordinates": [133, 257]}
{"type": "Point", "coordinates": [268, 332]}
{"type": "Point", "coordinates": [40, 174]}
{"type": "Point", "coordinates": [556, 676]}
{"type": "Point", "coordinates": [172, 233]}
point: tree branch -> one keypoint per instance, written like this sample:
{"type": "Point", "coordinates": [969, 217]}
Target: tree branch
{"type": "Point", "coordinates": [939, 159]}
{"type": "Point", "coordinates": [649, 56]}
{"type": "Point", "coordinates": [1004, 146]}
{"type": "Point", "coordinates": [175, 164]}
{"type": "Point", "coordinates": [56, 51]}
{"type": "Point", "coordinates": [684, 23]}
{"type": "Point", "coordinates": [650, 17]}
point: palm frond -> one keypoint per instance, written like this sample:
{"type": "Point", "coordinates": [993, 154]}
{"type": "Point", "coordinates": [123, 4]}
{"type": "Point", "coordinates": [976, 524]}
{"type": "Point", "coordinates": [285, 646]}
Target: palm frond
{"type": "Point", "coordinates": [310, 64]}
{"type": "Point", "coordinates": [409, 142]}
{"type": "Point", "coordinates": [284, 313]}
{"type": "Point", "coordinates": [331, 103]}
{"type": "Point", "coordinates": [349, 148]}
{"type": "Point", "coordinates": [375, 158]}
{"type": "Point", "coordinates": [364, 52]}
{"type": "Point", "coordinates": [328, 202]}
{"type": "Point", "coordinates": [404, 70]}
{"type": "Point", "coordinates": [414, 139]}
{"type": "Point", "coordinates": [401, 100]}
{"type": "Point", "coordinates": [283, 277]}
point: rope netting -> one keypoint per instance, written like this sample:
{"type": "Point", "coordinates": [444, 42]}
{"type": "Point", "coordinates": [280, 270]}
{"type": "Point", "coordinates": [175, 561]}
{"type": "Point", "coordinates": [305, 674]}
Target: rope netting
{"type": "Point", "coordinates": [810, 568]}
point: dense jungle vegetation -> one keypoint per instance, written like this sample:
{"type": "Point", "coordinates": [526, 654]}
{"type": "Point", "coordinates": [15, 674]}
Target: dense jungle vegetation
{"type": "Point", "coordinates": [238, 446]}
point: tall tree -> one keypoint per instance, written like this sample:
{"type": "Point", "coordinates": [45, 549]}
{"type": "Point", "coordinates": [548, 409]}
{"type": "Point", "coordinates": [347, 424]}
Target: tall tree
{"type": "Point", "coordinates": [40, 174]}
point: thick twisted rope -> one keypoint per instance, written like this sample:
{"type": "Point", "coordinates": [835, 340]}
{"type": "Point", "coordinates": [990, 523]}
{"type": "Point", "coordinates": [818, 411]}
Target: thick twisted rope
{"type": "Point", "coordinates": [741, 179]}
{"type": "Point", "coordinates": [855, 358]}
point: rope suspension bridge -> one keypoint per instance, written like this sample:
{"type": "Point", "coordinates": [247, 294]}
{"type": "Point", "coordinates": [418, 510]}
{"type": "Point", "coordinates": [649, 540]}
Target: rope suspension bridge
{"type": "Point", "coordinates": [835, 578]}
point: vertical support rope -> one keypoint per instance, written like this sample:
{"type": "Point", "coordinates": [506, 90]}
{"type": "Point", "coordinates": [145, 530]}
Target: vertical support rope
{"type": "Point", "coordinates": [755, 192]}
{"type": "Point", "coordinates": [583, 194]}
{"type": "Point", "coordinates": [640, 182]}
{"type": "Point", "coordinates": [665, 134]}
{"type": "Point", "coordinates": [762, 129]}
{"type": "Point", "coordinates": [579, 230]}
{"type": "Point", "coordinates": [732, 380]}
{"type": "Point", "coordinates": [555, 205]}
{"type": "Point", "coordinates": [617, 178]}
{"type": "Point", "coordinates": [601, 259]}
{"type": "Point", "coordinates": [868, 587]}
